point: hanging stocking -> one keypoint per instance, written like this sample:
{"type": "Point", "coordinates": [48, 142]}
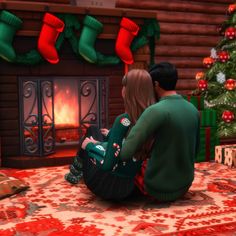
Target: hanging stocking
{"type": "Point", "coordinates": [47, 39]}
{"type": "Point", "coordinates": [9, 23]}
{"type": "Point", "coordinates": [127, 32]}
{"type": "Point", "coordinates": [91, 29]}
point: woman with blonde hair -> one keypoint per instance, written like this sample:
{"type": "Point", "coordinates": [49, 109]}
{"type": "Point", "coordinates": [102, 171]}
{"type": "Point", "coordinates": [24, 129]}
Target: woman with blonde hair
{"type": "Point", "coordinates": [104, 174]}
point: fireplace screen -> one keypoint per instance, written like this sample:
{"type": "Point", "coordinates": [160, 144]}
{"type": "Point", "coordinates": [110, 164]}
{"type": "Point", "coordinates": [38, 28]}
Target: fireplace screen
{"type": "Point", "coordinates": [56, 111]}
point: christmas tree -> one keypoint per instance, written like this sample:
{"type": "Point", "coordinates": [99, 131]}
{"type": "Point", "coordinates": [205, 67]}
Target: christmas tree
{"type": "Point", "coordinates": [218, 83]}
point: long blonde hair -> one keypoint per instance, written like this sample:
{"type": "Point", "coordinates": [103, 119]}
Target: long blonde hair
{"type": "Point", "coordinates": [139, 92]}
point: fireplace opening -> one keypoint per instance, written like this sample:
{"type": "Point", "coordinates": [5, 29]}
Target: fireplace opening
{"type": "Point", "coordinates": [55, 112]}
{"type": "Point", "coordinates": [66, 111]}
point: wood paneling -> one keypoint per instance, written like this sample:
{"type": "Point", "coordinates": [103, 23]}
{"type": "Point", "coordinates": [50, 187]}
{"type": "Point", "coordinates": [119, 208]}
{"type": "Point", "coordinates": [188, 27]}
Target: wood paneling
{"type": "Point", "coordinates": [191, 29]}
{"type": "Point", "coordinates": [8, 80]}
{"type": "Point", "coordinates": [64, 8]}
{"type": "Point", "coordinates": [188, 40]}
{"type": "Point", "coordinates": [8, 97]}
{"type": "Point", "coordinates": [10, 141]}
{"type": "Point", "coordinates": [9, 113]}
{"type": "Point", "coordinates": [213, 1]}
{"type": "Point", "coordinates": [190, 17]}
{"type": "Point", "coordinates": [9, 125]}
{"type": "Point", "coordinates": [9, 133]}
{"type": "Point", "coordinates": [8, 151]}
{"type": "Point", "coordinates": [8, 104]}
{"type": "Point", "coordinates": [50, 1]}
{"type": "Point", "coordinates": [174, 5]}
{"type": "Point", "coordinates": [8, 88]}
{"type": "Point", "coordinates": [188, 32]}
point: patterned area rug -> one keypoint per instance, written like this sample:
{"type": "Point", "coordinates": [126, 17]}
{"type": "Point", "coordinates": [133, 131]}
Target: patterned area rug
{"type": "Point", "coordinates": [53, 207]}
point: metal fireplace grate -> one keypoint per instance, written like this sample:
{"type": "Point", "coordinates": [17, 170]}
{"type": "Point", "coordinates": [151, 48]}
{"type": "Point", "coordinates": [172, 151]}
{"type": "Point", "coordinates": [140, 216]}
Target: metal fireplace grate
{"type": "Point", "coordinates": [37, 114]}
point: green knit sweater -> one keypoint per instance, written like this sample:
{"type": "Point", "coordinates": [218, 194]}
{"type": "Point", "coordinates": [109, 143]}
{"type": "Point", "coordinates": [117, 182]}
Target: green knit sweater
{"type": "Point", "coordinates": [106, 154]}
{"type": "Point", "coordinates": [174, 124]}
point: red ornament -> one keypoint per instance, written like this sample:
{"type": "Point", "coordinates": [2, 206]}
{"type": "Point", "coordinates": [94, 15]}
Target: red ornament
{"type": "Point", "coordinates": [223, 56]}
{"type": "Point", "coordinates": [128, 30]}
{"type": "Point", "coordinates": [202, 84]}
{"type": "Point", "coordinates": [230, 33]}
{"type": "Point", "coordinates": [230, 84]}
{"type": "Point", "coordinates": [231, 8]}
{"type": "Point", "coordinates": [227, 116]}
{"type": "Point", "coordinates": [52, 26]}
{"type": "Point", "coordinates": [199, 75]}
{"type": "Point", "coordinates": [208, 61]}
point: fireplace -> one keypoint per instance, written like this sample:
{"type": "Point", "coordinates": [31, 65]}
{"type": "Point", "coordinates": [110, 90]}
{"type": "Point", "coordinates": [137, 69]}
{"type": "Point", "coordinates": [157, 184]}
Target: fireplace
{"type": "Point", "coordinates": [55, 111]}
{"type": "Point", "coordinates": [31, 124]}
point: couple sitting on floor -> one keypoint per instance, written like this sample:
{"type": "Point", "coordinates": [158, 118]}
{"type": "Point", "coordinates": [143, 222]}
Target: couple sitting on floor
{"type": "Point", "coordinates": [151, 147]}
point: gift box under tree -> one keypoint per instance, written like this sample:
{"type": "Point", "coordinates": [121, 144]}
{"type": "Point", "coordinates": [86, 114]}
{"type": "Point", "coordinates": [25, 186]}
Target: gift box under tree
{"type": "Point", "coordinates": [208, 141]}
{"type": "Point", "coordinates": [196, 100]}
{"type": "Point", "coordinates": [208, 129]}
{"type": "Point", "coordinates": [226, 154]}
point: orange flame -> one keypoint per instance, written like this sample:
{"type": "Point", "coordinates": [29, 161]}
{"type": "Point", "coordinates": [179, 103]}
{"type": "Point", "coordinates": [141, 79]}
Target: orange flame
{"type": "Point", "coordinates": [65, 106]}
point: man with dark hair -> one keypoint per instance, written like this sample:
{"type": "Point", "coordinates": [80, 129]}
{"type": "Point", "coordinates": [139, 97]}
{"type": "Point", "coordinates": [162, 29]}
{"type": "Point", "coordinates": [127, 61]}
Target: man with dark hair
{"type": "Point", "coordinates": [173, 123]}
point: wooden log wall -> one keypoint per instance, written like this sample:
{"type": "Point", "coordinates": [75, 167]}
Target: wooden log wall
{"type": "Point", "coordinates": [188, 32]}
{"type": "Point", "coordinates": [69, 65]}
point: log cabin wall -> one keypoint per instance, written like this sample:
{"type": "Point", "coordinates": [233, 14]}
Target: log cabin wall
{"type": "Point", "coordinates": [69, 65]}
{"type": "Point", "coordinates": [188, 32]}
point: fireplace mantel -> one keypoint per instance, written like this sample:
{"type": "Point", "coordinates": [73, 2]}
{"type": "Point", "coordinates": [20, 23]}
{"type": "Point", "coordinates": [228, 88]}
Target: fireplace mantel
{"type": "Point", "coordinates": [34, 11]}
{"type": "Point", "coordinates": [65, 8]}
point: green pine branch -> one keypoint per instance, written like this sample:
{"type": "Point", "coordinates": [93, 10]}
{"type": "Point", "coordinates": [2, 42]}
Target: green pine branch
{"type": "Point", "coordinates": [222, 44]}
{"type": "Point", "coordinates": [228, 45]}
{"type": "Point", "coordinates": [213, 90]}
{"type": "Point", "coordinates": [215, 69]}
{"type": "Point", "coordinates": [228, 97]}
{"type": "Point", "coordinates": [232, 19]}
{"type": "Point", "coordinates": [226, 130]}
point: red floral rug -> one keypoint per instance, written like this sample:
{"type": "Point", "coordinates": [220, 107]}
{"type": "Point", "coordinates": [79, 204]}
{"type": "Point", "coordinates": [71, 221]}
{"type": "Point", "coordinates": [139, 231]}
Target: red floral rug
{"type": "Point", "coordinates": [53, 207]}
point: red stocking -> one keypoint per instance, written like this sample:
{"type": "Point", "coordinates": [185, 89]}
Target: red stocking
{"type": "Point", "coordinates": [127, 32]}
{"type": "Point", "coordinates": [49, 33]}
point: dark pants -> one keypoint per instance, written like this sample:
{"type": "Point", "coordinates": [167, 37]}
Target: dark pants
{"type": "Point", "coordinates": [104, 184]}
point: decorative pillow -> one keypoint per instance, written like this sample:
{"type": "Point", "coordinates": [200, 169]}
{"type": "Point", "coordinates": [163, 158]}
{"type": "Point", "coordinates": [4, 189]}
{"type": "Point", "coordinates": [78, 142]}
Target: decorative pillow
{"type": "Point", "coordinates": [10, 185]}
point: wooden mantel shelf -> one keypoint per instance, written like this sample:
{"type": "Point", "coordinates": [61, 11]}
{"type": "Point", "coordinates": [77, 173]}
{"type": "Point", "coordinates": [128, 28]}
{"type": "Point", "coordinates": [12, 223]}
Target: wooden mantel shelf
{"type": "Point", "coordinates": [64, 8]}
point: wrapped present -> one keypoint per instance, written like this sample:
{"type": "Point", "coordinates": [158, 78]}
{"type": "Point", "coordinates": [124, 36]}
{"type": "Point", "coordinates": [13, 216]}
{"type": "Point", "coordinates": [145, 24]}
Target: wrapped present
{"type": "Point", "coordinates": [208, 141]}
{"type": "Point", "coordinates": [197, 101]}
{"type": "Point", "coordinates": [208, 117]}
{"type": "Point", "coordinates": [223, 151]}
{"type": "Point", "coordinates": [230, 156]}
{"type": "Point", "coordinates": [219, 153]}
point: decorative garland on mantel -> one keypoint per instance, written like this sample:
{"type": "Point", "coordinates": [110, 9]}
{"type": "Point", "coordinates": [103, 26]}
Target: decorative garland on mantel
{"type": "Point", "coordinates": [58, 28]}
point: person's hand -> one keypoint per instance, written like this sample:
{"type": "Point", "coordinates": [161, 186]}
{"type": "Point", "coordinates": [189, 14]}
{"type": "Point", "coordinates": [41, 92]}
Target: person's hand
{"type": "Point", "coordinates": [104, 131]}
{"type": "Point", "coordinates": [87, 141]}
{"type": "Point", "coordinates": [92, 140]}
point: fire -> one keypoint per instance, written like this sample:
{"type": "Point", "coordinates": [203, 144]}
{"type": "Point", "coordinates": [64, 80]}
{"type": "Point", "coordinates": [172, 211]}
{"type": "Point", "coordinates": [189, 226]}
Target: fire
{"type": "Point", "coordinates": [66, 105]}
